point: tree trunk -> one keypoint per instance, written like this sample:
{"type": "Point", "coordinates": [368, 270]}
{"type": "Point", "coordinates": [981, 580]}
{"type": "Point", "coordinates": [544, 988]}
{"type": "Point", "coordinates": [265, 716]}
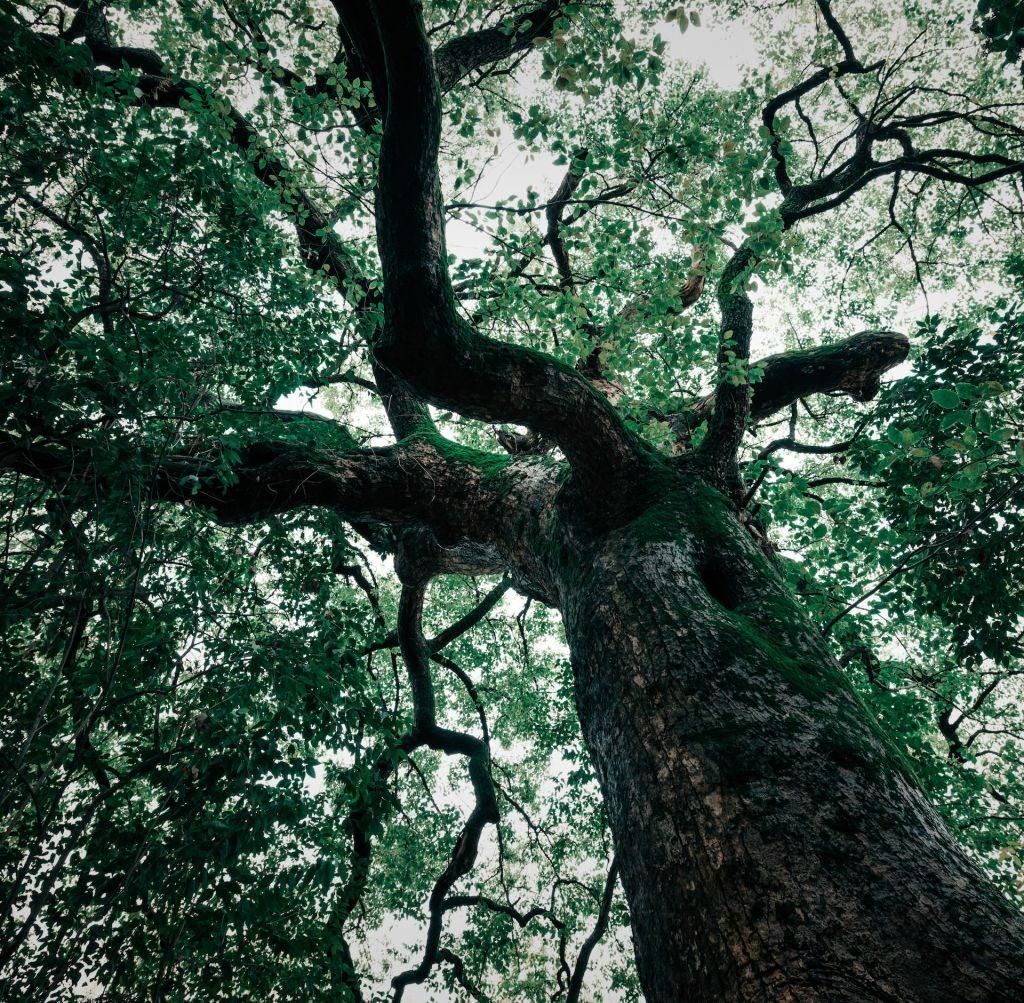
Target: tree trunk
{"type": "Point", "coordinates": [773, 844]}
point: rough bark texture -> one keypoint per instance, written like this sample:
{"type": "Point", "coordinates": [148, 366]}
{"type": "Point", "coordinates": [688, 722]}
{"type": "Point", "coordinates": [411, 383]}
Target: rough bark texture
{"type": "Point", "coordinates": [773, 845]}
{"type": "Point", "coordinates": [853, 366]}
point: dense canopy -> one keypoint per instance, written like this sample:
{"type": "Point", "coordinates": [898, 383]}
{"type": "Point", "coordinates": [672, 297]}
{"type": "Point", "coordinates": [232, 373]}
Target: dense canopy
{"type": "Point", "coordinates": [286, 708]}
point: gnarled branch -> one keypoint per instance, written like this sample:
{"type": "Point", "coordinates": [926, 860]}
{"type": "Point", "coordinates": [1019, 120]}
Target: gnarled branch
{"type": "Point", "coordinates": [425, 341]}
{"type": "Point", "coordinates": [413, 482]}
{"type": "Point", "coordinates": [853, 366]}
{"type": "Point", "coordinates": [416, 653]}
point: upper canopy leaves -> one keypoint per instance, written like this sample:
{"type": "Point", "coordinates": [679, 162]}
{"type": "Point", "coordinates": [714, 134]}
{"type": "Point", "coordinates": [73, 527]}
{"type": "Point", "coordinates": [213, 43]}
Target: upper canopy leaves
{"type": "Point", "coordinates": [209, 207]}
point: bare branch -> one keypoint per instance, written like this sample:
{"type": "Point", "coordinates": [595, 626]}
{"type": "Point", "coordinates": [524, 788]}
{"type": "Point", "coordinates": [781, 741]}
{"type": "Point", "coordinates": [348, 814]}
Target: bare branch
{"type": "Point", "coordinates": [600, 928]}
{"type": "Point", "coordinates": [555, 208]}
{"type": "Point", "coordinates": [485, 811]}
{"type": "Point", "coordinates": [454, 630]}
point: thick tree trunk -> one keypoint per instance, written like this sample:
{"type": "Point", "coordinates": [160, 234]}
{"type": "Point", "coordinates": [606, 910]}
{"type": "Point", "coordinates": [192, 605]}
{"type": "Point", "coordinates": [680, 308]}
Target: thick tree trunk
{"type": "Point", "coordinates": [773, 844]}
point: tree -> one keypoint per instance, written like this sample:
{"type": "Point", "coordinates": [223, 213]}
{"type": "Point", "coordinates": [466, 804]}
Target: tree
{"type": "Point", "coordinates": [212, 206]}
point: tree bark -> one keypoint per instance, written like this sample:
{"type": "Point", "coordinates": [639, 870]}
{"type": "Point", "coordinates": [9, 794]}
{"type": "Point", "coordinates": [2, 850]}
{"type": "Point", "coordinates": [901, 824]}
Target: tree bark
{"type": "Point", "coordinates": [773, 844]}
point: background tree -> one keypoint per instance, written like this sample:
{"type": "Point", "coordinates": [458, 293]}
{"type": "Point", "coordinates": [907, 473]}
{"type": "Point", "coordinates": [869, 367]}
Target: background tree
{"type": "Point", "coordinates": [282, 685]}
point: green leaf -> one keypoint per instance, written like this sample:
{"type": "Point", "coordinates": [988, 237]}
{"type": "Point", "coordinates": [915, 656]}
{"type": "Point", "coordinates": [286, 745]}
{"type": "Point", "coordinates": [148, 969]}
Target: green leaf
{"type": "Point", "coordinates": [948, 399]}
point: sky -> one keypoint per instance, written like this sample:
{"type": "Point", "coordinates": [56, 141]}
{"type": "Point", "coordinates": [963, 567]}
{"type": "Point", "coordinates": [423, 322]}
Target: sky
{"type": "Point", "coordinates": [725, 50]}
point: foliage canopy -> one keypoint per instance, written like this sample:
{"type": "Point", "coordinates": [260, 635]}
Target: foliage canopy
{"type": "Point", "coordinates": [192, 709]}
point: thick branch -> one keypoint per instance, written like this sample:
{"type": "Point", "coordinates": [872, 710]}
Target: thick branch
{"type": "Point", "coordinates": [413, 482]}
{"type": "Point", "coordinates": [730, 406]}
{"type": "Point", "coordinates": [425, 340]}
{"type": "Point", "coordinates": [359, 49]}
{"type": "Point", "coordinates": [853, 367]}
{"type": "Point", "coordinates": [571, 181]}
{"type": "Point", "coordinates": [834, 26]}
{"type": "Point", "coordinates": [477, 49]}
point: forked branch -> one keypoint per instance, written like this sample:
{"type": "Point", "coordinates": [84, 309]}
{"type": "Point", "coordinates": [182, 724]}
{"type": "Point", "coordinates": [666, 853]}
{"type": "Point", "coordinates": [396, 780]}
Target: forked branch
{"type": "Point", "coordinates": [425, 340]}
{"type": "Point", "coordinates": [416, 653]}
